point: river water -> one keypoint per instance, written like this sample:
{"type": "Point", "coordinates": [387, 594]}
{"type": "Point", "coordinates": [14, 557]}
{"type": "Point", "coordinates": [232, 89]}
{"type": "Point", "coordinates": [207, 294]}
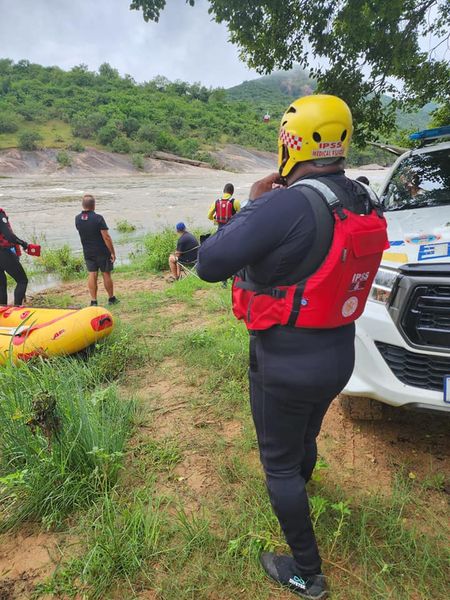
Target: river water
{"type": "Point", "coordinates": [43, 208]}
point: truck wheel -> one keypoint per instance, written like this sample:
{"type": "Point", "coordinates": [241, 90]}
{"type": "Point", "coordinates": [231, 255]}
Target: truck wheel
{"type": "Point", "coordinates": [360, 408]}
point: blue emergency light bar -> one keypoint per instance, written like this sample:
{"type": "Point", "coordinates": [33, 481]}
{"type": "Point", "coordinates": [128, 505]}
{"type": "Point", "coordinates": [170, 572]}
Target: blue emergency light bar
{"type": "Point", "coordinates": [431, 134]}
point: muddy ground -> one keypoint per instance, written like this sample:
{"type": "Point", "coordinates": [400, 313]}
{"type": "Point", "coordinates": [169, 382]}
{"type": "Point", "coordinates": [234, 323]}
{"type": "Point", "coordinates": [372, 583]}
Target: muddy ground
{"type": "Point", "coordinates": [364, 457]}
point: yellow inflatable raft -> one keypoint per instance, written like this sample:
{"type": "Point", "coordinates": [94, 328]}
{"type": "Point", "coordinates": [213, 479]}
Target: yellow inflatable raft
{"type": "Point", "coordinates": [27, 332]}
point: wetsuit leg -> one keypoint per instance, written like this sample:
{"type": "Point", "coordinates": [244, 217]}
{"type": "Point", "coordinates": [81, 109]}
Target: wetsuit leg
{"type": "Point", "coordinates": [3, 288]}
{"type": "Point", "coordinates": [294, 376]}
{"type": "Point", "coordinates": [10, 263]}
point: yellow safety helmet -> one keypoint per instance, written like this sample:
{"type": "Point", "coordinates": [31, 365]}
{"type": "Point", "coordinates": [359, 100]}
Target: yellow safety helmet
{"type": "Point", "coordinates": [314, 128]}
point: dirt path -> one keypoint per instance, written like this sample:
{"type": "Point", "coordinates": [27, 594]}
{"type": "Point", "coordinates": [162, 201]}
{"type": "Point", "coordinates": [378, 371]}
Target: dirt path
{"type": "Point", "coordinates": [363, 457]}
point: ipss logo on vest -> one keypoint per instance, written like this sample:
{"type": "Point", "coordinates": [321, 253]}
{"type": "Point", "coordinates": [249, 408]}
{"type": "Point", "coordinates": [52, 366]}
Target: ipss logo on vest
{"type": "Point", "coordinates": [359, 281]}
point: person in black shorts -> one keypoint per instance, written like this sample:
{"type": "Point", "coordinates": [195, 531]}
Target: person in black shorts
{"type": "Point", "coordinates": [186, 252]}
{"type": "Point", "coordinates": [9, 262]}
{"type": "Point", "coordinates": [98, 248]}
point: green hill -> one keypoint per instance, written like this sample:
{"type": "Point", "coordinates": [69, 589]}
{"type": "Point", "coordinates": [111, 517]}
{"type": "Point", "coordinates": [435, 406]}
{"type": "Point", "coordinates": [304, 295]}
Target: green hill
{"type": "Point", "coordinates": [273, 92]}
{"type": "Point", "coordinates": [50, 107]}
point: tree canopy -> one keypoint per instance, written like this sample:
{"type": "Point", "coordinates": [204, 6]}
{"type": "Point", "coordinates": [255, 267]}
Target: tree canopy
{"type": "Point", "coordinates": [365, 49]}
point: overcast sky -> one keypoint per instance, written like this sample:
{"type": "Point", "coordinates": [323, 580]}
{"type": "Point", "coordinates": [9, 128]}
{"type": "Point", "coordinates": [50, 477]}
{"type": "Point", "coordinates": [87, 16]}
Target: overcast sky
{"type": "Point", "coordinates": [185, 44]}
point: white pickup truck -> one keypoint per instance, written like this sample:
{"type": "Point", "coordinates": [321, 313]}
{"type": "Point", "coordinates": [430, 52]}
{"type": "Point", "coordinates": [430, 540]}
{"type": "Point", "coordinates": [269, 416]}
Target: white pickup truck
{"type": "Point", "coordinates": [403, 337]}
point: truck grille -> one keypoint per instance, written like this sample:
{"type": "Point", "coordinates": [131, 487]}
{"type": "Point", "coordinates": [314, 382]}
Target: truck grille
{"type": "Point", "coordinates": [426, 320]}
{"type": "Point", "coordinates": [424, 371]}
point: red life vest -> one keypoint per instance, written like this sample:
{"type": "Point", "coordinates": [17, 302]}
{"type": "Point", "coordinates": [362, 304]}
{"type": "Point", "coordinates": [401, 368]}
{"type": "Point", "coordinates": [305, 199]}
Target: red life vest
{"type": "Point", "coordinates": [4, 243]}
{"type": "Point", "coordinates": [224, 210]}
{"type": "Point", "coordinates": [336, 293]}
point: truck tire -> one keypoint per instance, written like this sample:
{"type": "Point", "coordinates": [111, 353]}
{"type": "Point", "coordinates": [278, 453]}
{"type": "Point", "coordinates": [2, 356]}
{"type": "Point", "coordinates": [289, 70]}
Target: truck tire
{"type": "Point", "coordinates": [360, 408]}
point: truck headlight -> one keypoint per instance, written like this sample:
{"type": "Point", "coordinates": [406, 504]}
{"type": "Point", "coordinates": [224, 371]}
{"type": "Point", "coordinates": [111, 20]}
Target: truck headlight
{"type": "Point", "coordinates": [382, 285]}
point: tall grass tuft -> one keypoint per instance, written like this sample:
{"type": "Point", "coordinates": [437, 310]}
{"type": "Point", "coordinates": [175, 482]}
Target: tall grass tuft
{"type": "Point", "coordinates": [153, 255]}
{"type": "Point", "coordinates": [62, 261]}
{"type": "Point", "coordinates": [62, 436]}
{"type": "Point", "coordinates": [120, 542]}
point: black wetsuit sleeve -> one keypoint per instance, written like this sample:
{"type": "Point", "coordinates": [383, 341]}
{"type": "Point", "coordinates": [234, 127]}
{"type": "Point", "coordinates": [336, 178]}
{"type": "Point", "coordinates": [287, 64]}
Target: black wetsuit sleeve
{"type": "Point", "coordinates": [253, 233]}
{"type": "Point", "coordinates": [8, 233]}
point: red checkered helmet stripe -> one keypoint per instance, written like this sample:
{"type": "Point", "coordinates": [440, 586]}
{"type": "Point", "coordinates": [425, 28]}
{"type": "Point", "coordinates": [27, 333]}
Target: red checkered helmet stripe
{"type": "Point", "coordinates": [291, 140]}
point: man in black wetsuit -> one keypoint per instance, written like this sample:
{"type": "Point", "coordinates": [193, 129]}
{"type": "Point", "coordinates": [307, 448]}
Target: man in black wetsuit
{"type": "Point", "coordinates": [9, 262]}
{"type": "Point", "coordinates": [298, 364]}
{"type": "Point", "coordinates": [98, 249]}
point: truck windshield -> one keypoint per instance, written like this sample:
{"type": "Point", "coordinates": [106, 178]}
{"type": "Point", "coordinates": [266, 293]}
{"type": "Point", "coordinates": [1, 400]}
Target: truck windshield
{"type": "Point", "coordinates": [420, 181]}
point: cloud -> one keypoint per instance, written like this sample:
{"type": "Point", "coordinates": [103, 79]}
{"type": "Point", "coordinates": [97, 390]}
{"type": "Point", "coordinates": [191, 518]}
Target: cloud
{"type": "Point", "coordinates": [186, 44]}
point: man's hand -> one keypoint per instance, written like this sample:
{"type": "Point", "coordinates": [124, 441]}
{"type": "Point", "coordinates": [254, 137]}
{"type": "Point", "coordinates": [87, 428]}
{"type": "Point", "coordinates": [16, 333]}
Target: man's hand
{"type": "Point", "coordinates": [265, 185]}
{"type": "Point", "coordinates": [113, 258]}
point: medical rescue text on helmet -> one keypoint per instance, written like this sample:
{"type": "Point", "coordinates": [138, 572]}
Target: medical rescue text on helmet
{"type": "Point", "coordinates": [314, 128]}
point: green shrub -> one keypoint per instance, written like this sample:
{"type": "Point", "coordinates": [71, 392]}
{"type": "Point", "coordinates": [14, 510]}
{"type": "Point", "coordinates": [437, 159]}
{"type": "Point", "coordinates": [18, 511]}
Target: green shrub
{"type": "Point", "coordinates": [64, 159]}
{"type": "Point", "coordinates": [62, 261]}
{"type": "Point", "coordinates": [123, 226]}
{"type": "Point", "coordinates": [121, 145]}
{"type": "Point", "coordinates": [87, 126]}
{"type": "Point", "coordinates": [61, 440]}
{"type": "Point", "coordinates": [145, 148]}
{"type": "Point", "coordinates": [29, 140]}
{"type": "Point", "coordinates": [155, 250]}
{"type": "Point", "coordinates": [138, 162]}
{"type": "Point", "coordinates": [167, 142]}
{"type": "Point", "coordinates": [77, 146]}
{"type": "Point", "coordinates": [107, 134]}
{"type": "Point", "coordinates": [8, 123]}
{"type": "Point", "coordinates": [131, 126]}
{"type": "Point", "coordinates": [147, 133]}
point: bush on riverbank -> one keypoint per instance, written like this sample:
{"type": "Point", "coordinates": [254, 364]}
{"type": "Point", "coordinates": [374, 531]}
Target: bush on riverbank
{"type": "Point", "coordinates": [62, 262]}
{"type": "Point", "coordinates": [153, 253]}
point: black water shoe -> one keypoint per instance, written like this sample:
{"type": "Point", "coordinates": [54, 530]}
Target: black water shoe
{"type": "Point", "coordinates": [283, 570]}
{"type": "Point", "coordinates": [113, 300]}
{"type": "Point", "coordinates": [94, 303]}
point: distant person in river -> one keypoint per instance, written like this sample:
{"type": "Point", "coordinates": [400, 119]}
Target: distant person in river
{"type": "Point", "coordinates": [98, 249]}
{"type": "Point", "coordinates": [186, 252]}
{"type": "Point", "coordinates": [9, 262]}
{"type": "Point", "coordinates": [224, 208]}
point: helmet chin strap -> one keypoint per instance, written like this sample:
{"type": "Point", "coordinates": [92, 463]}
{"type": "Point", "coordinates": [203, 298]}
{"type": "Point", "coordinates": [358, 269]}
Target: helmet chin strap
{"type": "Point", "coordinates": [285, 159]}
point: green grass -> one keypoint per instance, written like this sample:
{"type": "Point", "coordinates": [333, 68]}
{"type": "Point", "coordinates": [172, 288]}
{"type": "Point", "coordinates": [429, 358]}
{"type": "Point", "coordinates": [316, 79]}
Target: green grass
{"type": "Point", "coordinates": [120, 540]}
{"type": "Point", "coordinates": [63, 432]}
{"type": "Point", "coordinates": [144, 530]}
{"type": "Point", "coordinates": [55, 134]}
{"type": "Point", "coordinates": [123, 226]}
{"type": "Point", "coordinates": [370, 545]}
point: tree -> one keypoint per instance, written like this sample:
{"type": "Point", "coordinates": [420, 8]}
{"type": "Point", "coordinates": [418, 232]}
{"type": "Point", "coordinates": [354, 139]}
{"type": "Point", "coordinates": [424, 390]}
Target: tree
{"type": "Point", "coordinates": [106, 71]}
{"type": "Point", "coordinates": [8, 123]}
{"type": "Point", "coordinates": [367, 48]}
{"type": "Point", "coordinates": [107, 134]}
{"type": "Point", "coordinates": [29, 140]}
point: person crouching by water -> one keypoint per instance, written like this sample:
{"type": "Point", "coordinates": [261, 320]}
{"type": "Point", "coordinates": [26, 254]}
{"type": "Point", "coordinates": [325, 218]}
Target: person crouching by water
{"type": "Point", "coordinates": [10, 263]}
{"type": "Point", "coordinates": [186, 252]}
{"type": "Point", "coordinates": [98, 248]}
